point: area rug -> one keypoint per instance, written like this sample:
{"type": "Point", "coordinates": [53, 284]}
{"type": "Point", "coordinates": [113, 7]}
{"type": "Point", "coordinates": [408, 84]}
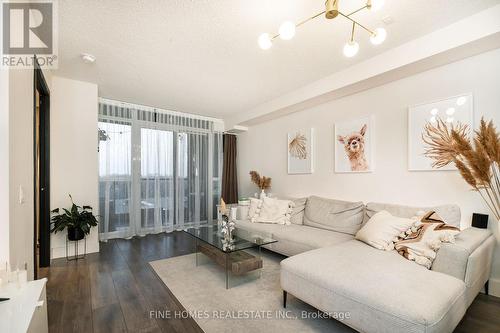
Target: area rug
{"type": "Point", "coordinates": [252, 304]}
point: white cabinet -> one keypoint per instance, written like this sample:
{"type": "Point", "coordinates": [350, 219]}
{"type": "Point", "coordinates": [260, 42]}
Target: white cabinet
{"type": "Point", "coordinates": [26, 311]}
{"type": "Point", "coordinates": [38, 322]}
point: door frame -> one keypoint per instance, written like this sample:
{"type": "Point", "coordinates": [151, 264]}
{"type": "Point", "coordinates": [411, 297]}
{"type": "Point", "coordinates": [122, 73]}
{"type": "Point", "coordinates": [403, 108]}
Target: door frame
{"type": "Point", "coordinates": [40, 85]}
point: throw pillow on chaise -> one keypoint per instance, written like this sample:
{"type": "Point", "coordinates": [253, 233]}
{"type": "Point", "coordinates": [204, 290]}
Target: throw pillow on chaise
{"type": "Point", "coordinates": [382, 230]}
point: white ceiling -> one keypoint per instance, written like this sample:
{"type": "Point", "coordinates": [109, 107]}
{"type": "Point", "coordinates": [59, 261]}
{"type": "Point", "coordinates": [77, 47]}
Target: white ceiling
{"type": "Point", "coordinates": [202, 56]}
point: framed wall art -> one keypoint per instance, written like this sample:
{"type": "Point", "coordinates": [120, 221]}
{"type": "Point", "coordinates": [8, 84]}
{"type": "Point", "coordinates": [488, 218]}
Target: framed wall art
{"type": "Point", "coordinates": [457, 109]}
{"type": "Point", "coordinates": [354, 145]}
{"type": "Point", "coordinates": [300, 151]}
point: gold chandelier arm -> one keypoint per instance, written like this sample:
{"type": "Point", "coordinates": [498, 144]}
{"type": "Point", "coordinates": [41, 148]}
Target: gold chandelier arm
{"type": "Point", "coordinates": [357, 10]}
{"type": "Point", "coordinates": [310, 18]}
{"type": "Point", "coordinates": [348, 16]}
{"type": "Point", "coordinates": [302, 22]}
{"type": "Point", "coordinates": [356, 22]}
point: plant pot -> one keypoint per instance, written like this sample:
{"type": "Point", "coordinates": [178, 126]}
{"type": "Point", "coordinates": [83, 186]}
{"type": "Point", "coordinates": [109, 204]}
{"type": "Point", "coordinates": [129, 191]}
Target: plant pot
{"type": "Point", "coordinates": [263, 194]}
{"type": "Point", "coordinates": [75, 234]}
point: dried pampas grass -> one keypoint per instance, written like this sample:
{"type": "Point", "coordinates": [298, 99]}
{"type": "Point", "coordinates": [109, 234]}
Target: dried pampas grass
{"type": "Point", "coordinates": [476, 159]}
{"type": "Point", "coordinates": [297, 146]}
{"type": "Point", "coordinates": [263, 182]}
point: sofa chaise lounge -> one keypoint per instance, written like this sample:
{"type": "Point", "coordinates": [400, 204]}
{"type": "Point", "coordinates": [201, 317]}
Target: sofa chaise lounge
{"type": "Point", "coordinates": [381, 290]}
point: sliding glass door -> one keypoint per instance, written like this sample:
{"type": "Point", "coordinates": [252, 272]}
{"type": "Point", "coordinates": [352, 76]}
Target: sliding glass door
{"type": "Point", "coordinates": [115, 178]}
{"type": "Point", "coordinates": [158, 173]}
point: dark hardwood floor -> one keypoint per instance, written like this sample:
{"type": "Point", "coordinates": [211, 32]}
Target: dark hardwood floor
{"type": "Point", "coordinates": [115, 290]}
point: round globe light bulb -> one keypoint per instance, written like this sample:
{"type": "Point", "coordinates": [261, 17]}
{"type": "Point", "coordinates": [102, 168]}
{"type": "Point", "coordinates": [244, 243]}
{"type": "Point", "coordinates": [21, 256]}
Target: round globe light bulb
{"type": "Point", "coordinates": [450, 111]}
{"type": "Point", "coordinates": [265, 41]}
{"type": "Point", "coordinates": [434, 111]}
{"type": "Point", "coordinates": [351, 49]}
{"type": "Point", "coordinates": [377, 4]}
{"type": "Point", "coordinates": [287, 30]}
{"type": "Point", "coordinates": [378, 36]}
{"type": "Point", "coordinates": [461, 100]}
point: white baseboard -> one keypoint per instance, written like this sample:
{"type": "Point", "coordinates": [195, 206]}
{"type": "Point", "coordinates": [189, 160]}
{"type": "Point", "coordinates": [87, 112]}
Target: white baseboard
{"type": "Point", "coordinates": [494, 287]}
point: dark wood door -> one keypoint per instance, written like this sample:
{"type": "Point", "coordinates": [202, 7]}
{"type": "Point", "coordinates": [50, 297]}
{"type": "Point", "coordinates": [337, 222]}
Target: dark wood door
{"type": "Point", "coordinates": [41, 157]}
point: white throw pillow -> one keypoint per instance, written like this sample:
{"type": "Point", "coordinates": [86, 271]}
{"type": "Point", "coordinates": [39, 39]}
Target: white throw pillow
{"type": "Point", "coordinates": [254, 209]}
{"type": "Point", "coordinates": [275, 211]}
{"type": "Point", "coordinates": [382, 230]}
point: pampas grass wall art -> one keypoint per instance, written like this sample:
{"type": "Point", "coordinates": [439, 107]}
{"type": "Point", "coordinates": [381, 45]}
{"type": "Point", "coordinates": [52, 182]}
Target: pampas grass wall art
{"type": "Point", "coordinates": [300, 151]}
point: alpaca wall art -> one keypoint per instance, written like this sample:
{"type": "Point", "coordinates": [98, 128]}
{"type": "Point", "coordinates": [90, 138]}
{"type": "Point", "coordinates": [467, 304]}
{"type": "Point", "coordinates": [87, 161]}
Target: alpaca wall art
{"type": "Point", "coordinates": [354, 145]}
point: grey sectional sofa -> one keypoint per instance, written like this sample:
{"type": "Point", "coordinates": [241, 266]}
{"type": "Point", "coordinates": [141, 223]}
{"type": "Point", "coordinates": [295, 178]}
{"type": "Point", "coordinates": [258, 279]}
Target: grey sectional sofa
{"type": "Point", "coordinates": [381, 290]}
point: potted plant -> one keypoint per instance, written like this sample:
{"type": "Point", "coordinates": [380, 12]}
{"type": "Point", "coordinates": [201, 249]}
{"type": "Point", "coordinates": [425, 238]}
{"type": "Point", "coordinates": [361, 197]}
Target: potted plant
{"type": "Point", "coordinates": [78, 220]}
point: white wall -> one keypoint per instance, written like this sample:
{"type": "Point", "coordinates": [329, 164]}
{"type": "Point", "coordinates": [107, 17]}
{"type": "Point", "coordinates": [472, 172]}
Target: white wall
{"type": "Point", "coordinates": [21, 167]}
{"type": "Point", "coordinates": [73, 158]}
{"type": "Point", "coordinates": [20, 161]}
{"type": "Point", "coordinates": [4, 160]}
{"type": "Point", "coordinates": [73, 154]}
{"type": "Point", "coordinates": [263, 147]}
{"type": "Point", "coordinates": [4, 166]}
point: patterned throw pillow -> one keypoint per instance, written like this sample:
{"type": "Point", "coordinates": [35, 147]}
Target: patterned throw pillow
{"type": "Point", "coordinates": [275, 211]}
{"type": "Point", "coordinates": [254, 209]}
{"type": "Point", "coordinates": [421, 242]}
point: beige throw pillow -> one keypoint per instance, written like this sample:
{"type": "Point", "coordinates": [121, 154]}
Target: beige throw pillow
{"type": "Point", "coordinates": [421, 242]}
{"type": "Point", "coordinates": [382, 230]}
{"type": "Point", "coordinates": [275, 211]}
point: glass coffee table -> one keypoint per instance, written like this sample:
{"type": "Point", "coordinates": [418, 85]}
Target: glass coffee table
{"type": "Point", "coordinates": [237, 255]}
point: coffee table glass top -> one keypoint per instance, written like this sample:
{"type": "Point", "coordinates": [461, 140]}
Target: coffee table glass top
{"type": "Point", "coordinates": [241, 239]}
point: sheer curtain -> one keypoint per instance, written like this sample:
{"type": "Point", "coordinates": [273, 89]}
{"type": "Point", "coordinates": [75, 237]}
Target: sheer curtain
{"type": "Point", "coordinates": [157, 181]}
{"type": "Point", "coordinates": [159, 170]}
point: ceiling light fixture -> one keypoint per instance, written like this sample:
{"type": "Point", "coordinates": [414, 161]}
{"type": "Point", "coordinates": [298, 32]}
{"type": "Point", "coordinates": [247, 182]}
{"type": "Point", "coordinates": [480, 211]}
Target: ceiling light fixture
{"type": "Point", "coordinates": [461, 100]}
{"type": "Point", "coordinates": [287, 29]}
{"type": "Point", "coordinates": [351, 48]}
{"type": "Point", "coordinates": [450, 111]}
{"type": "Point", "coordinates": [378, 36]}
{"type": "Point", "coordinates": [265, 41]}
{"type": "Point", "coordinates": [375, 4]}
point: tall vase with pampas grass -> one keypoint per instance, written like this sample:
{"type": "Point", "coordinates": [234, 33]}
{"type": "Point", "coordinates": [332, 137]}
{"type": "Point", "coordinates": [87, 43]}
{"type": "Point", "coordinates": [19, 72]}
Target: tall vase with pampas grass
{"type": "Point", "coordinates": [476, 157]}
{"type": "Point", "coordinates": [263, 183]}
